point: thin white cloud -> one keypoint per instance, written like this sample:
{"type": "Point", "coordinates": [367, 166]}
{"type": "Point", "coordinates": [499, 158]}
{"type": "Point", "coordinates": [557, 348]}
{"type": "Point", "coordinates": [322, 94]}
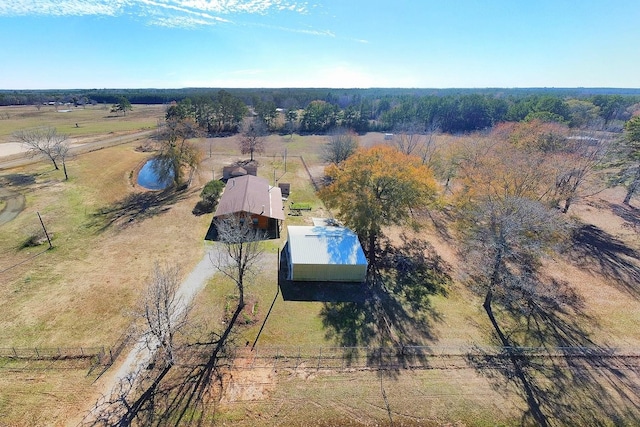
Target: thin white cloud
{"type": "Point", "coordinates": [179, 22]}
{"type": "Point", "coordinates": [311, 32]}
{"type": "Point", "coordinates": [323, 33]}
{"type": "Point", "coordinates": [244, 6]}
{"type": "Point", "coordinates": [162, 12]}
{"type": "Point", "coordinates": [62, 7]}
{"type": "Point", "coordinates": [194, 17]}
{"type": "Point", "coordinates": [170, 13]}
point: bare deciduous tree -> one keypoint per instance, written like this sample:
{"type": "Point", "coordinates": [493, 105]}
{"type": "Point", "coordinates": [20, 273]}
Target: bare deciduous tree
{"type": "Point", "coordinates": [62, 152]}
{"type": "Point", "coordinates": [43, 141]}
{"type": "Point", "coordinates": [242, 250]}
{"type": "Point", "coordinates": [576, 167]}
{"type": "Point", "coordinates": [503, 242]}
{"type": "Point", "coordinates": [252, 136]}
{"type": "Point", "coordinates": [162, 311]}
{"type": "Point", "coordinates": [414, 139]}
{"type": "Point", "coordinates": [408, 138]}
{"type": "Point", "coordinates": [341, 144]}
{"type": "Point", "coordinates": [505, 239]}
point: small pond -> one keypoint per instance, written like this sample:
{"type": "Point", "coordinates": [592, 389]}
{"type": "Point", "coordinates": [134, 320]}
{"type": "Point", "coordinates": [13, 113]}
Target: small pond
{"type": "Point", "coordinates": [149, 178]}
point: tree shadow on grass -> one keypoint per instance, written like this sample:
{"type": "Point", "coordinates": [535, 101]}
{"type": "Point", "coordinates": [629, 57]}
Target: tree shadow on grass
{"type": "Point", "coordinates": [18, 179]}
{"type": "Point", "coordinates": [564, 377]}
{"type": "Point", "coordinates": [395, 310]}
{"type": "Point", "coordinates": [600, 253]}
{"type": "Point", "coordinates": [190, 395]}
{"type": "Point", "coordinates": [629, 214]}
{"type": "Point", "coordinates": [137, 207]}
{"type": "Point", "coordinates": [181, 394]}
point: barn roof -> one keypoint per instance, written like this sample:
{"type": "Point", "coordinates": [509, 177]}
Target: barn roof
{"type": "Point", "coordinates": [253, 195]}
{"type": "Point", "coordinates": [324, 245]}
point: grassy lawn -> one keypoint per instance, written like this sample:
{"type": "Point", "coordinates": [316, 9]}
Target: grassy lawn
{"type": "Point", "coordinates": [418, 398]}
{"type": "Point", "coordinates": [76, 293]}
{"type": "Point", "coordinates": [80, 294]}
{"type": "Point", "coordinates": [91, 121]}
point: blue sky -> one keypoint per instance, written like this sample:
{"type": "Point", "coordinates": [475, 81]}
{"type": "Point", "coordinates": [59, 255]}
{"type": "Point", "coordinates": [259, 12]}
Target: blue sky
{"type": "Point", "coordinates": [63, 44]}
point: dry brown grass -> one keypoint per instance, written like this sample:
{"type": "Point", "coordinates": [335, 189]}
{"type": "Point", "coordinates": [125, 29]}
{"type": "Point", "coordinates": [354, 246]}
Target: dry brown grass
{"type": "Point", "coordinates": [78, 294]}
{"type": "Point", "coordinates": [42, 393]}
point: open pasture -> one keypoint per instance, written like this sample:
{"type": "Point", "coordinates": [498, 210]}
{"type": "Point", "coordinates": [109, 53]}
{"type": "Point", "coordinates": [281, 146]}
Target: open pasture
{"type": "Point", "coordinates": [107, 233]}
{"type": "Point", "coordinates": [78, 122]}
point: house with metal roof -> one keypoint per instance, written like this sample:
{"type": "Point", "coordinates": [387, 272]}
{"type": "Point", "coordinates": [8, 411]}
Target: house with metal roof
{"type": "Point", "coordinates": [324, 254]}
{"type": "Point", "coordinates": [252, 196]}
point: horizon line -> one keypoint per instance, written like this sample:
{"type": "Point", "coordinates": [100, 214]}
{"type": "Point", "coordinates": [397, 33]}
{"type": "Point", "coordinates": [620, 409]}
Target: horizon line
{"type": "Point", "coordinates": [325, 88]}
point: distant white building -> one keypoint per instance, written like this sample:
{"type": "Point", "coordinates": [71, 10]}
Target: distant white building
{"type": "Point", "coordinates": [325, 254]}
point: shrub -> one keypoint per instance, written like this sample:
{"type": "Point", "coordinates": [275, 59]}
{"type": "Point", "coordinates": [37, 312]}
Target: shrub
{"type": "Point", "coordinates": [209, 197]}
{"type": "Point", "coordinates": [211, 192]}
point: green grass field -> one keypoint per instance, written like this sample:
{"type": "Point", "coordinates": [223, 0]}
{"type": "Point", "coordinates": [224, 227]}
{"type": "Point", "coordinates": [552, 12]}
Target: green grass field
{"type": "Point", "coordinates": [77, 122]}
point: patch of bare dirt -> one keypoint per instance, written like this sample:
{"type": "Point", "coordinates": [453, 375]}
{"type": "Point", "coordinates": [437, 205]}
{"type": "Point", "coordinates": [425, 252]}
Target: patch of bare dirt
{"type": "Point", "coordinates": [245, 382]}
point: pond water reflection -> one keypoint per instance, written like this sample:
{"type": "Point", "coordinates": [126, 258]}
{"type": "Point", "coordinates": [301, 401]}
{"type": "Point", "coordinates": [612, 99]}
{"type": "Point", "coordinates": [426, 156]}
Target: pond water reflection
{"type": "Point", "coordinates": [149, 178]}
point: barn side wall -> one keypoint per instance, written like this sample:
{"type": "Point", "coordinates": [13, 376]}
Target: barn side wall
{"type": "Point", "coordinates": [328, 273]}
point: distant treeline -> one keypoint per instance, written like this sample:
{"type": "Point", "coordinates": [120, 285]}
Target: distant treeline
{"type": "Point", "coordinates": [318, 110]}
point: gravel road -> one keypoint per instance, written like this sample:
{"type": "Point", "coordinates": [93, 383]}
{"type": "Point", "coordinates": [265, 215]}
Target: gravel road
{"type": "Point", "coordinates": [140, 356]}
{"type": "Point", "coordinates": [14, 205]}
{"type": "Point", "coordinates": [9, 160]}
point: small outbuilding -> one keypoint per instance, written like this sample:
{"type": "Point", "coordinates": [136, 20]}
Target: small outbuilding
{"type": "Point", "coordinates": [325, 254]}
{"type": "Point", "coordinates": [239, 169]}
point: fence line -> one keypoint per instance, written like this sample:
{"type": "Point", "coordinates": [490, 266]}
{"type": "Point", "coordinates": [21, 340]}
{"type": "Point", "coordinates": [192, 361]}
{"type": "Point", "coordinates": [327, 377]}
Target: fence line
{"type": "Point", "coordinates": [409, 357]}
{"type": "Point", "coordinates": [313, 181]}
{"type": "Point", "coordinates": [51, 353]}
{"type": "Point", "coordinates": [121, 343]}
{"type": "Point", "coordinates": [98, 356]}
{"type": "Point", "coordinates": [335, 358]}
{"type": "Point", "coordinates": [451, 350]}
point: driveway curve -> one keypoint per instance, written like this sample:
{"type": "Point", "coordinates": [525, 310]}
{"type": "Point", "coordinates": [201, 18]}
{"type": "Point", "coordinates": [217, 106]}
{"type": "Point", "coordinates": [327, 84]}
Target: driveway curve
{"type": "Point", "coordinates": [139, 357]}
{"type": "Point", "coordinates": [14, 204]}
{"type": "Point", "coordinates": [22, 159]}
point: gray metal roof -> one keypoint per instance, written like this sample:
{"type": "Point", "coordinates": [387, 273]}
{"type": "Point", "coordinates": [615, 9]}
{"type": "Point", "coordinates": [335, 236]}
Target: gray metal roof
{"type": "Point", "coordinates": [324, 245]}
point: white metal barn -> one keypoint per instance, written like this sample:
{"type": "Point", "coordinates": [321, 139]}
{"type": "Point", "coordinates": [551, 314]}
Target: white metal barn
{"type": "Point", "coordinates": [325, 254]}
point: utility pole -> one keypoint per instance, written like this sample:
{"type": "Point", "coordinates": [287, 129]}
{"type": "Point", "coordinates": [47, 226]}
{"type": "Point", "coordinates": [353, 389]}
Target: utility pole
{"type": "Point", "coordinates": [45, 231]}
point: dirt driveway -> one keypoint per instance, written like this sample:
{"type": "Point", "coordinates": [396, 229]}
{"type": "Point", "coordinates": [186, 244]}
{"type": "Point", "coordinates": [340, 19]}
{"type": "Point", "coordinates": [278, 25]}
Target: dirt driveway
{"type": "Point", "coordinates": [14, 205]}
{"type": "Point", "coordinates": [9, 159]}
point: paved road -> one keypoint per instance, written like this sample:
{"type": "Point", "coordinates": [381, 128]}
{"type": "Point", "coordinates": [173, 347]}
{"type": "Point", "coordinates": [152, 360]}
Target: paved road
{"type": "Point", "coordinates": [18, 160]}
